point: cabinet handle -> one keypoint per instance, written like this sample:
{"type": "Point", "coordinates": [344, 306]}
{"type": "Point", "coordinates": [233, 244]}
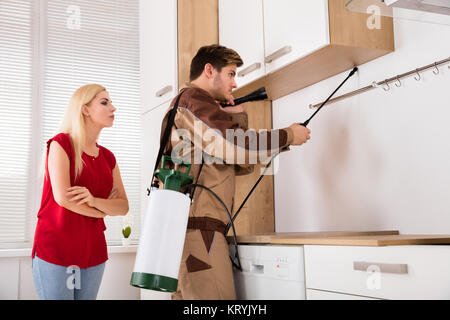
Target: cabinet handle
{"type": "Point", "coordinates": [249, 69]}
{"type": "Point", "coordinates": [163, 91]}
{"type": "Point", "coordinates": [384, 267]}
{"type": "Point", "coordinates": [278, 54]}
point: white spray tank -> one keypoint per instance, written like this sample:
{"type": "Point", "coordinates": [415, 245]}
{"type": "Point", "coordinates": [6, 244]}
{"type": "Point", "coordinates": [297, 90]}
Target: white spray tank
{"type": "Point", "coordinates": [162, 238]}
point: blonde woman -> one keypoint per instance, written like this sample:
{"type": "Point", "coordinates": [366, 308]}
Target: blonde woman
{"type": "Point", "coordinates": [82, 185]}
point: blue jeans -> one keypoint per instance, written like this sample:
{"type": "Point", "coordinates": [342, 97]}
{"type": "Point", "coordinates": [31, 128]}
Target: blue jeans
{"type": "Point", "coordinates": [54, 282]}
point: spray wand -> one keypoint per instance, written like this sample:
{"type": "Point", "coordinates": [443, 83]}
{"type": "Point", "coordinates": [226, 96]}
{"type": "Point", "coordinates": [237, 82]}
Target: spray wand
{"type": "Point", "coordinates": [305, 124]}
{"type": "Point", "coordinates": [258, 93]}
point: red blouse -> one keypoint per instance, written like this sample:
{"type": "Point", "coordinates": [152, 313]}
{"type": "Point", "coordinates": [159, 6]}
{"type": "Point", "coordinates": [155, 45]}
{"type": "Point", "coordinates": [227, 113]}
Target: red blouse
{"type": "Point", "coordinates": [64, 237]}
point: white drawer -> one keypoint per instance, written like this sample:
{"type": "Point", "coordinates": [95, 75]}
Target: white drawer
{"type": "Point", "coordinates": [392, 272]}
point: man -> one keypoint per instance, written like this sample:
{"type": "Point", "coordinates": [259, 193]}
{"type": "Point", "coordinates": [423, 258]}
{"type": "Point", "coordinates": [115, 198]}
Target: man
{"type": "Point", "coordinates": [206, 271]}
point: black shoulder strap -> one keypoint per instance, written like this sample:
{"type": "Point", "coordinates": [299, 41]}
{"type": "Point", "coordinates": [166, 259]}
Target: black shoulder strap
{"type": "Point", "coordinates": [167, 131]}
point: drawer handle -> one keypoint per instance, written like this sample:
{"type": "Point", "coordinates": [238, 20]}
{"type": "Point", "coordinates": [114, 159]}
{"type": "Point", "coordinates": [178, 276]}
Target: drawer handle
{"type": "Point", "coordinates": [384, 267]}
{"type": "Point", "coordinates": [163, 91]}
{"type": "Point", "coordinates": [278, 54]}
{"type": "Point", "coordinates": [249, 69]}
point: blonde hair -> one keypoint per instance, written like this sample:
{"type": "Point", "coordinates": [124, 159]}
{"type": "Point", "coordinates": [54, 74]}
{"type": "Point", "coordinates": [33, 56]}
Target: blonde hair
{"type": "Point", "coordinates": [73, 122]}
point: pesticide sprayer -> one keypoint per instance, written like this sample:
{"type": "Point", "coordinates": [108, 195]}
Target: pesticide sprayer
{"type": "Point", "coordinates": [161, 245]}
{"type": "Point", "coordinates": [163, 234]}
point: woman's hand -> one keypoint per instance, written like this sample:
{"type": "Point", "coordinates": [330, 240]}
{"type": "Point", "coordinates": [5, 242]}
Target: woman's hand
{"type": "Point", "coordinates": [82, 194]}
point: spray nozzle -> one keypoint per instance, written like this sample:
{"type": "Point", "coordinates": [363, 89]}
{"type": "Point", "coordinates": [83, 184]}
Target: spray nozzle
{"type": "Point", "coordinates": [173, 179]}
{"type": "Point", "coordinates": [256, 95]}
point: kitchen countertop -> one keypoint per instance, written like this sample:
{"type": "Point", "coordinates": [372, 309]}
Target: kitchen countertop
{"type": "Point", "coordinates": [348, 238]}
{"type": "Point", "coordinates": [267, 238]}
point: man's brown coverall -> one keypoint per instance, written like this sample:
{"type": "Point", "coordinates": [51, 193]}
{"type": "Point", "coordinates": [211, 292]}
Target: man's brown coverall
{"type": "Point", "coordinates": [206, 270]}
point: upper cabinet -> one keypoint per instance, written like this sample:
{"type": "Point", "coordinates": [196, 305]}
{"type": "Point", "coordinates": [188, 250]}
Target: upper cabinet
{"type": "Point", "coordinates": [197, 27]}
{"type": "Point", "coordinates": [288, 45]}
{"type": "Point", "coordinates": [241, 28]}
{"type": "Point", "coordinates": [293, 29]}
{"type": "Point", "coordinates": [159, 71]}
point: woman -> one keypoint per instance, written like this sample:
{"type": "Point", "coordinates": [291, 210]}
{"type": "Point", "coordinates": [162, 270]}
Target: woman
{"type": "Point", "coordinates": [82, 185]}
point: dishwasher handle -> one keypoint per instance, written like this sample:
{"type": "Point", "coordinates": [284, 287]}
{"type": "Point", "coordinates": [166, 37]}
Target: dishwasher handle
{"type": "Point", "coordinates": [257, 268]}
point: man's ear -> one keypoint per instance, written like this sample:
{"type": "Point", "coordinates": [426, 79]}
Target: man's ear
{"type": "Point", "coordinates": [208, 70]}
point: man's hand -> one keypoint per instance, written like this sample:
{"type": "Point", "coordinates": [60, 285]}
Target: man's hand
{"type": "Point", "coordinates": [301, 134]}
{"type": "Point", "coordinates": [236, 109]}
{"type": "Point", "coordinates": [232, 108]}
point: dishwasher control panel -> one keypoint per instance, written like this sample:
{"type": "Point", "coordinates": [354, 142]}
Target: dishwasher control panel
{"type": "Point", "coordinates": [270, 272]}
{"type": "Point", "coordinates": [272, 261]}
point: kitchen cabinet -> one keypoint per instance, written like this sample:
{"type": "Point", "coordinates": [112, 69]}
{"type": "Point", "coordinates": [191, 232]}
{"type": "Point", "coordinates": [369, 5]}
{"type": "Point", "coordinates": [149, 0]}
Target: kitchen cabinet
{"type": "Point", "coordinates": [303, 42]}
{"type": "Point", "coordinates": [159, 71]}
{"type": "Point", "coordinates": [269, 34]}
{"type": "Point", "coordinates": [354, 265]}
{"type": "Point", "coordinates": [391, 272]}
{"type": "Point", "coordinates": [293, 29]}
{"type": "Point", "coordinates": [198, 25]}
{"type": "Point", "coordinates": [242, 30]}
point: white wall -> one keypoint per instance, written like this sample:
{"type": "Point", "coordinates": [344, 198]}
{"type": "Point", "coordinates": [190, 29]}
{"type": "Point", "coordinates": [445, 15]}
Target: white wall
{"type": "Point", "coordinates": [380, 160]}
{"type": "Point", "coordinates": [16, 278]}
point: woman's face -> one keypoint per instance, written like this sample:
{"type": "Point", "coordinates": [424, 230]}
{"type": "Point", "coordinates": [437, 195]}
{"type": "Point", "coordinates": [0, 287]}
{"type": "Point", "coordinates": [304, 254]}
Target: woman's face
{"type": "Point", "coordinates": [100, 110]}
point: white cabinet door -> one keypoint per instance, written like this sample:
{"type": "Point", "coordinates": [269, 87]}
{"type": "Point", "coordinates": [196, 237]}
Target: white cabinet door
{"type": "Point", "coordinates": [241, 28]}
{"type": "Point", "coordinates": [151, 133]}
{"type": "Point", "coordinates": [293, 29]}
{"type": "Point", "coordinates": [158, 52]}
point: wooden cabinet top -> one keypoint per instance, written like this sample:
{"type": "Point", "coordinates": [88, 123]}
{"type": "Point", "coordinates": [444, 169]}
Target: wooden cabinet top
{"type": "Point", "coordinates": [344, 238]}
{"type": "Point", "coordinates": [267, 238]}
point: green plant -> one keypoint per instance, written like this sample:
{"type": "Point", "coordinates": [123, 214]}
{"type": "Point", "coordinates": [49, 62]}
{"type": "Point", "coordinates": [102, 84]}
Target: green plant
{"type": "Point", "coordinates": [126, 231]}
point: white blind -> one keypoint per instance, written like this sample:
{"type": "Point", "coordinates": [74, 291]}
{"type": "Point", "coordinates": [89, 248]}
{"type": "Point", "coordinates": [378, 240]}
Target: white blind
{"type": "Point", "coordinates": [16, 50]}
{"type": "Point", "coordinates": [98, 42]}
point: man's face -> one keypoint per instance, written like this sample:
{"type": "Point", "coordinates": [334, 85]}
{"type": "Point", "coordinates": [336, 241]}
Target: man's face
{"type": "Point", "coordinates": [223, 82]}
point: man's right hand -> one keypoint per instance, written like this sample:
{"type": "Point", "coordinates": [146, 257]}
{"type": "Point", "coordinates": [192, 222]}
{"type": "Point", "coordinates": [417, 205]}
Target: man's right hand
{"type": "Point", "coordinates": [301, 134]}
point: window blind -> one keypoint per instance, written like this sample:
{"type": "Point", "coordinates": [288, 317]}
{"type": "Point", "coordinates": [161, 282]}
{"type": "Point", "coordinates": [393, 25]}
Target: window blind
{"type": "Point", "coordinates": [98, 42]}
{"type": "Point", "coordinates": [16, 50]}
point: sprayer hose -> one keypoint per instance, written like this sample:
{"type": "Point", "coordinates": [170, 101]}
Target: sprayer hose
{"type": "Point", "coordinates": [238, 265]}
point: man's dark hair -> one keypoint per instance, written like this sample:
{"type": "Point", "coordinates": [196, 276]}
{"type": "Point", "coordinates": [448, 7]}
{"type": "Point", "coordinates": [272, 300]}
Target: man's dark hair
{"type": "Point", "coordinates": [218, 56]}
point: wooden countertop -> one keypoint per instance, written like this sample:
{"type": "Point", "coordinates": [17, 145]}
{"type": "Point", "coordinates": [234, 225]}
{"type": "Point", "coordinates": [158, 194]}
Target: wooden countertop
{"type": "Point", "coordinates": [344, 238]}
{"type": "Point", "coordinates": [369, 240]}
{"type": "Point", "coordinates": [267, 238]}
